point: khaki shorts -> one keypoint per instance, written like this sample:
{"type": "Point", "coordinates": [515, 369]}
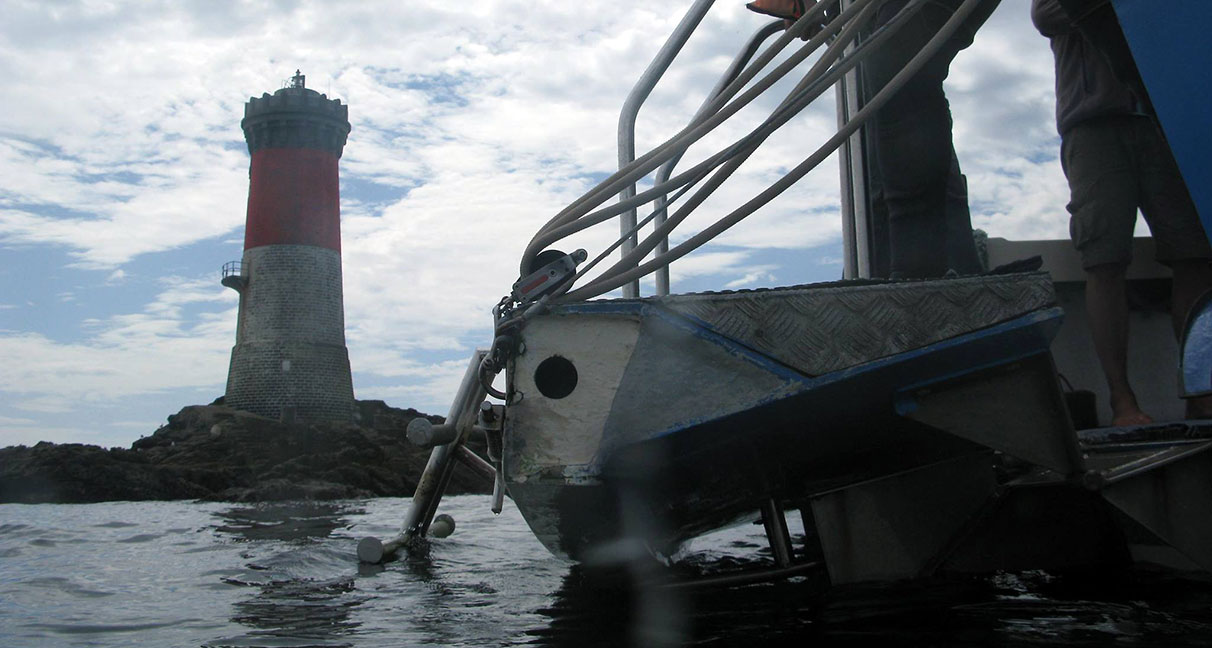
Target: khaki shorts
{"type": "Point", "coordinates": [1116, 165]}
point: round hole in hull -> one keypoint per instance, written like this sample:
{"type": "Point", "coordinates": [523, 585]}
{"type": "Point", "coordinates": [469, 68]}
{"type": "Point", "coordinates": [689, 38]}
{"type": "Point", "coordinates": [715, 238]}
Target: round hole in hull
{"type": "Point", "coordinates": [555, 377]}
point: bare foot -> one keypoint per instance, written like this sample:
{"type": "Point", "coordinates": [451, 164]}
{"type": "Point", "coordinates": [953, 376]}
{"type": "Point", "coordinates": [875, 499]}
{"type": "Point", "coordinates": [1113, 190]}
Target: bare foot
{"type": "Point", "coordinates": [1130, 418]}
{"type": "Point", "coordinates": [1125, 412]}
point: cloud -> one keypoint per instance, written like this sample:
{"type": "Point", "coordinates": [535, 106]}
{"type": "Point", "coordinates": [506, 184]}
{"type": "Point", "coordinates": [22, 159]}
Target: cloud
{"type": "Point", "coordinates": [29, 435]}
{"type": "Point", "coordinates": [754, 276]}
{"type": "Point", "coordinates": [160, 348]}
{"type": "Point", "coordinates": [471, 128]}
{"type": "Point", "coordinates": [1001, 92]}
{"type": "Point", "coordinates": [108, 222]}
{"type": "Point", "coordinates": [432, 390]}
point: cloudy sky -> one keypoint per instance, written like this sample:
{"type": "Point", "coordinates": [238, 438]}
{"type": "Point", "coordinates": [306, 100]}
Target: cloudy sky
{"type": "Point", "coordinates": [124, 178]}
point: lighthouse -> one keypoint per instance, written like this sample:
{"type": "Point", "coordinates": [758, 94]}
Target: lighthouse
{"type": "Point", "coordinates": [290, 359]}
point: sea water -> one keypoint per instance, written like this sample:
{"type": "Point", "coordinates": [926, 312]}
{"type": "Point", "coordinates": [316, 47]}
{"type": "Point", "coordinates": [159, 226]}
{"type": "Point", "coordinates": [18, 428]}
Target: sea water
{"type": "Point", "coordinates": [214, 574]}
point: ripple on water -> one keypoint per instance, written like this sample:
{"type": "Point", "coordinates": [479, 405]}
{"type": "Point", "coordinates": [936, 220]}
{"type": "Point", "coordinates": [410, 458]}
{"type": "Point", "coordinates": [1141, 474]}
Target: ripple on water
{"type": "Point", "coordinates": [142, 537]}
{"type": "Point", "coordinates": [95, 628]}
{"type": "Point", "coordinates": [287, 576]}
{"type": "Point", "coordinates": [64, 585]}
{"type": "Point", "coordinates": [14, 529]}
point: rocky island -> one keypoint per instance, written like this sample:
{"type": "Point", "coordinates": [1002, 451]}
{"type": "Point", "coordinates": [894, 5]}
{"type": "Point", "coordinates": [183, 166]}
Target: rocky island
{"type": "Point", "coordinates": [213, 452]}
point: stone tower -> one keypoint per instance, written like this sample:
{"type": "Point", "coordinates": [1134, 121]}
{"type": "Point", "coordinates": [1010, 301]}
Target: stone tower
{"type": "Point", "coordinates": [290, 358]}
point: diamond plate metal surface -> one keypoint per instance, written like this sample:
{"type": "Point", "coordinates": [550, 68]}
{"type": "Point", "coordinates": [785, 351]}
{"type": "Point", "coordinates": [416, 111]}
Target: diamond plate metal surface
{"type": "Point", "coordinates": [819, 328]}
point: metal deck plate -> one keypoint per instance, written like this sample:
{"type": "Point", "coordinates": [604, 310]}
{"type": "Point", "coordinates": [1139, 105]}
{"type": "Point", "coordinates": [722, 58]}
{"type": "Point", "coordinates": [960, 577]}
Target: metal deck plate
{"type": "Point", "coordinates": [819, 328]}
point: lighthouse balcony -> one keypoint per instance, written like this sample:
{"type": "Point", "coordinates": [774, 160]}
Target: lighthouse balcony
{"type": "Point", "coordinates": [233, 276]}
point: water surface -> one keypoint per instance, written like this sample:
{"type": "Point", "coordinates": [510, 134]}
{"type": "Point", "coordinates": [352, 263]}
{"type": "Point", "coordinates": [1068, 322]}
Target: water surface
{"type": "Point", "coordinates": [211, 574]}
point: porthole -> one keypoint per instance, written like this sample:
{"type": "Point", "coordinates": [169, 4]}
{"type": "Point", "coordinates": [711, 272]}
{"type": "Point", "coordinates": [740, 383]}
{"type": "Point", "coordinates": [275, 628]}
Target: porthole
{"type": "Point", "coordinates": [555, 377]}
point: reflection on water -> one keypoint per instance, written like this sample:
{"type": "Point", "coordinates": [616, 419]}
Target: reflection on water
{"type": "Point", "coordinates": [286, 522]}
{"type": "Point", "coordinates": [608, 609]}
{"type": "Point", "coordinates": [204, 574]}
{"type": "Point", "coordinates": [318, 612]}
{"type": "Point", "coordinates": [296, 610]}
{"type": "Point", "coordinates": [1137, 607]}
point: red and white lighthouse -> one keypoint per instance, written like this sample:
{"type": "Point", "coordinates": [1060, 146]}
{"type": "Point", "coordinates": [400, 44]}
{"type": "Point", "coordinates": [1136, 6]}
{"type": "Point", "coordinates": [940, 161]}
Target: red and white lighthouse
{"type": "Point", "coordinates": [290, 357]}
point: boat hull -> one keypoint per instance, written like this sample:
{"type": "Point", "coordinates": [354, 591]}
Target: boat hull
{"type": "Point", "coordinates": [674, 417]}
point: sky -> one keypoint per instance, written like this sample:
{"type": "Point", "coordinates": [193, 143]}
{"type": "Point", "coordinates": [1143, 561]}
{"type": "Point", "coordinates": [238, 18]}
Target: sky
{"type": "Point", "coordinates": [124, 178]}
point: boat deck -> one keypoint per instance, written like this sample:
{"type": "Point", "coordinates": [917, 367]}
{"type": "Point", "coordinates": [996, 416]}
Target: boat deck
{"type": "Point", "coordinates": [820, 328]}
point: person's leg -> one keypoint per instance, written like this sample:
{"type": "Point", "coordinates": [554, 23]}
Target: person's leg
{"type": "Point", "coordinates": [1177, 233]}
{"type": "Point", "coordinates": [1107, 308]}
{"type": "Point", "coordinates": [915, 178]}
{"type": "Point", "coordinates": [961, 247]}
{"type": "Point", "coordinates": [913, 144]}
{"type": "Point", "coordinates": [1103, 203]}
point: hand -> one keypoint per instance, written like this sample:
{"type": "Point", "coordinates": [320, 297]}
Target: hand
{"type": "Point", "coordinates": [816, 26]}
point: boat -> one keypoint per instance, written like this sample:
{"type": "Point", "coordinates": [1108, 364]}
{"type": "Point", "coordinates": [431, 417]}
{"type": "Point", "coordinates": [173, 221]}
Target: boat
{"type": "Point", "coordinates": [917, 426]}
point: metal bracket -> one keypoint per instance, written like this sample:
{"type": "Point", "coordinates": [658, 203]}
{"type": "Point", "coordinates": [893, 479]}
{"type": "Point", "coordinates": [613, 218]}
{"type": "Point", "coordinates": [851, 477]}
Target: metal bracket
{"type": "Point", "coordinates": [492, 423]}
{"type": "Point", "coordinates": [547, 278]}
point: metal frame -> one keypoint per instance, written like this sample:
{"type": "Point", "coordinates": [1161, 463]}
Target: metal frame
{"type": "Point", "coordinates": [631, 108]}
{"type": "Point", "coordinates": [856, 230]}
{"type": "Point", "coordinates": [856, 237]}
{"type": "Point", "coordinates": [666, 170]}
{"type": "Point", "coordinates": [438, 470]}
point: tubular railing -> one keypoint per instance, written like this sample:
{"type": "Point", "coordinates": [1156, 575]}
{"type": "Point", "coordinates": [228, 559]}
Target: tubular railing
{"type": "Point", "coordinates": [631, 108]}
{"type": "Point", "coordinates": [233, 269]}
{"type": "Point", "coordinates": [842, 53]}
{"type": "Point", "coordinates": [660, 206]}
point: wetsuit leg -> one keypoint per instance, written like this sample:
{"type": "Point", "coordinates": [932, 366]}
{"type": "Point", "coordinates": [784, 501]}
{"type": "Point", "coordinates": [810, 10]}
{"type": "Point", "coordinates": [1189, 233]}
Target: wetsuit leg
{"type": "Point", "coordinates": [913, 142]}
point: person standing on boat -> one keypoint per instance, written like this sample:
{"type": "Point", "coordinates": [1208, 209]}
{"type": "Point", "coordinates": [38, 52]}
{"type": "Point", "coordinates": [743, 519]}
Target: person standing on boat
{"type": "Point", "coordinates": [1116, 160]}
{"type": "Point", "coordinates": [924, 193]}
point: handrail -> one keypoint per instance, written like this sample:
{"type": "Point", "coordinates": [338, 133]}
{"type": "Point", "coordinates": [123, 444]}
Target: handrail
{"type": "Point", "coordinates": [700, 181]}
{"type": "Point", "coordinates": [233, 276]}
{"type": "Point", "coordinates": [580, 214]}
{"type": "Point", "coordinates": [734, 68]}
{"type": "Point", "coordinates": [631, 108]}
{"type": "Point", "coordinates": [856, 234]}
{"type": "Point", "coordinates": [811, 87]}
{"type": "Point", "coordinates": [626, 210]}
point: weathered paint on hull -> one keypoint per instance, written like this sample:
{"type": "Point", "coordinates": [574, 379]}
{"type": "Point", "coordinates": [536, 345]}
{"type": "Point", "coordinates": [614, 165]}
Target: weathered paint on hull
{"type": "Point", "coordinates": [672, 429]}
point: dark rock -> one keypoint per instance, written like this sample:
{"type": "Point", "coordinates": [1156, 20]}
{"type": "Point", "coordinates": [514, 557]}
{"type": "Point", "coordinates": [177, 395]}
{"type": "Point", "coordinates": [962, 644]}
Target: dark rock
{"type": "Point", "coordinates": [214, 452]}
